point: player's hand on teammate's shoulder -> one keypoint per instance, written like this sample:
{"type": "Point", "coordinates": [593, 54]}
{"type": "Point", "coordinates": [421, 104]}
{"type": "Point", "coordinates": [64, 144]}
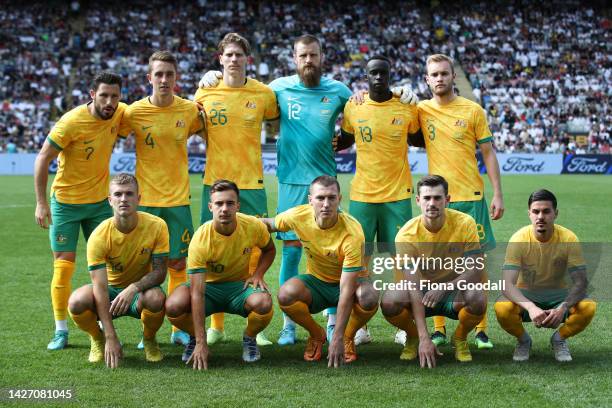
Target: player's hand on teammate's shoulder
{"type": "Point", "coordinates": [358, 97]}
{"type": "Point", "coordinates": [210, 79]}
{"type": "Point", "coordinates": [406, 95]}
{"type": "Point", "coordinates": [113, 353]}
{"type": "Point", "coordinates": [199, 356]}
{"type": "Point", "coordinates": [427, 353]}
{"type": "Point", "coordinates": [43, 215]}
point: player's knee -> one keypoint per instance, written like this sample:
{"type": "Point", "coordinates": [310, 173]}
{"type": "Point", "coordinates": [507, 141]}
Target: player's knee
{"type": "Point", "coordinates": [287, 294]}
{"type": "Point", "coordinates": [586, 308]}
{"type": "Point", "coordinates": [389, 306]}
{"type": "Point", "coordinates": [153, 300]}
{"type": "Point", "coordinates": [177, 264]}
{"type": "Point", "coordinates": [176, 304]}
{"type": "Point", "coordinates": [262, 303]}
{"type": "Point", "coordinates": [80, 300]}
{"type": "Point", "coordinates": [476, 302]}
{"type": "Point", "coordinates": [367, 297]}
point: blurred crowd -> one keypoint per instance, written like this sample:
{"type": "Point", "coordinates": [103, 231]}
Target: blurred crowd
{"type": "Point", "coordinates": [542, 71]}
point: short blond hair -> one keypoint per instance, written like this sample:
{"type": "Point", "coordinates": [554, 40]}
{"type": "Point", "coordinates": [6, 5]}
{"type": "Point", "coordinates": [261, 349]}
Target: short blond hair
{"type": "Point", "coordinates": [441, 58]}
{"type": "Point", "coordinates": [124, 179]}
{"type": "Point", "coordinates": [164, 56]}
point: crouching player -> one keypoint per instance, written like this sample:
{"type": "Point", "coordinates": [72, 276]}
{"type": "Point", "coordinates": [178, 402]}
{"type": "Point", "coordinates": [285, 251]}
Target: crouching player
{"type": "Point", "coordinates": [218, 267]}
{"type": "Point", "coordinates": [127, 257]}
{"type": "Point", "coordinates": [334, 243]}
{"type": "Point", "coordinates": [446, 261]}
{"type": "Point", "coordinates": [539, 257]}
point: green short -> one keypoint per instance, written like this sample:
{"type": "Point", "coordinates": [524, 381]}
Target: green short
{"type": "Point", "coordinates": [252, 202]}
{"type": "Point", "coordinates": [227, 297]}
{"type": "Point", "coordinates": [545, 299]}
{"type": "Point", "coordinates": [324, 294]}
{"type": "Point", "coordinates": [180, 227]}
{"type": "Point", "coordinates": [445, 307]}
{"type": "Point", "coordinates": [68, 218]}
{"type": "Point", "coordinates": [480, 212]}
{"type": "Point", "coordinates": [114, 291]}
{"type": "Point", "coordinates": [381, 221]}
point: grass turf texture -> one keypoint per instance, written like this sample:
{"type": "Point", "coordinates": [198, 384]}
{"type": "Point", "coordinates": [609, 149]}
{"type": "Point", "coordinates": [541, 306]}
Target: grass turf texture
{"type": "Point", "coordinates": [281, 378]}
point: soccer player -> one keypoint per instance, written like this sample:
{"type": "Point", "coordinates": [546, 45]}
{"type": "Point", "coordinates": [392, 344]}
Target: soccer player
{"type": "Point", "coordinates": [538, 260]}
{"type": "Point", "coordinates": [446, 243]}
{"type": "Point", "coordinates": [162, 123]}
{"type": "Point", "coordinates": [127, 258]}
{"type": "Point", "coordinates": [334, 245]}
{"type": "Point", "coordinates": [220, 281]}
{"type": "Point", "coordinates": [235, 112]}
{"type": "Point", "coordinates": [382, 186]}
{"type": "Point", "coordinates": [84, 139]}
{"type": "Point", "coordinates": [453, 126]}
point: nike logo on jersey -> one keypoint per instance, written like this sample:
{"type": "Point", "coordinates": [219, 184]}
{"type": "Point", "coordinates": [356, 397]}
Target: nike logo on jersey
{"type": "Point", "coordinates": [88, 141]}
{"type": "Point", "coordinates": [362, 120]}
{"type": "Point", "coordinates": [146, 127]}
{"type": "Point", "coordinates": [293, 98]}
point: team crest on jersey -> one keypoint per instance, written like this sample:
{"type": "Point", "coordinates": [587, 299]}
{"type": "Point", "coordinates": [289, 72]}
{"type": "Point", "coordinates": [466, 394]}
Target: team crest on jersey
{"type": "Point", "coordinates": [180, 123]}
{"type": "Point", "coordinates": [61, 239]}
{"type": "Point", "coordinates": [251, 105]}
{"type": "Point", "coordinates": [145, 251]}
{"type": "Point", "coordinates": [397, 121]}
{"type": "Point", "coordinates": [325, 99]}
{"type": "Point", "coordinates": [460, 123]}
{"type": "Point", "coordinates": [246, 251]}
{"type": "Point", "coordinates": [113, 130]}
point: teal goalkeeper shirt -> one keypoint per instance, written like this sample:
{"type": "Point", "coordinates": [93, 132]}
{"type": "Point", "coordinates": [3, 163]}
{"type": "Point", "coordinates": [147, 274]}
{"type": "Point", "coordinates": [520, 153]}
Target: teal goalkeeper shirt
{"type": "Point", "coordinates": [307, 124]}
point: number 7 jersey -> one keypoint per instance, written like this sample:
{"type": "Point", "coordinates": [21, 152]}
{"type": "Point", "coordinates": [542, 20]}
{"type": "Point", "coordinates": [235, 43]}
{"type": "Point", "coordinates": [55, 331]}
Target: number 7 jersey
{"type": "Point", "coordinates": [161, 135]}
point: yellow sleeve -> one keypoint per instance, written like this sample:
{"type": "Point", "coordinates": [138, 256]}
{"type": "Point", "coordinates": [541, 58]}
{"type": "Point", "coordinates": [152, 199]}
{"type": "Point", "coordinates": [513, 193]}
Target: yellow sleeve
{"type": "Point", "coordinates": [284, 221]}
{"type": "Point", "coordinates": [125, 127]}
{"type": "Point", "coordinates": [481, 127]}
{"type": "Point", "coordinates": [514, 253]}
{"type": "Point", "coordinates": [413, 119]}
{"type": "Point", "coordinates": [263, 236]}
{"type": "Point", "coordinates": [196, 259]}
{"type": "Point", "coordinates": [472, 242]}
{"type": "Point", "coordinates": [352, 247]}
{"type": "Point", "coordinates": [271, 111]}
{"type": "Point", "coordinates": [96, 250]}
{"type": "Point", "coordinates": [346, 120]}
{"type": "Point", "coordinates": [60, 136]}
{"type": "Point", "coordinates": [162, 242]}
{"type": "Point", "coordinates": [196, 120]}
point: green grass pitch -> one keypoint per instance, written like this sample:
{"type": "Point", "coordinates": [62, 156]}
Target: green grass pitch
{"type": "Point", "coordinates": [281, 378]}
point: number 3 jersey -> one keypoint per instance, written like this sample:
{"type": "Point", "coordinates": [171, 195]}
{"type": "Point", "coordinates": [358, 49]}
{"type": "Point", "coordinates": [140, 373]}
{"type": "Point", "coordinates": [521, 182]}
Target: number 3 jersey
{"type": "Point", "coordinates": [161, 135]}
{"type": "Point", "coordinates": [234, 118]}
{"type": "Point", "coordinates": [85, 143]}
{"type": "Point", "coordinates": [381, 130]}
{"type": "Point", "coordinates": [307, 126]}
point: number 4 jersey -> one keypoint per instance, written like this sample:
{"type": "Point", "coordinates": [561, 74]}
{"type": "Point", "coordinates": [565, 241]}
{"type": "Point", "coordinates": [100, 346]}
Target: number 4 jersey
{"type": "Point", "coordinates": [161, 135]}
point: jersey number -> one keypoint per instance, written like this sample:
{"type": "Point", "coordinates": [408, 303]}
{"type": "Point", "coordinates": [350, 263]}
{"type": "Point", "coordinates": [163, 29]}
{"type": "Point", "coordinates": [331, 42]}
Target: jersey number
{"type": "Point", "coordinates": [218, 117]}
{"type": "Point", "coordinates": [366, 133]}
{"type": "Point", "coordinates": [294, 110]}
{"type": "Point", "coordinates": [149, 140]}
{"type": "Point", "coordinates": [481, 232]}
{"type": "Point", "coordinates": [89, 150]}
{"type": "Point", "coordinates": [431, 129]}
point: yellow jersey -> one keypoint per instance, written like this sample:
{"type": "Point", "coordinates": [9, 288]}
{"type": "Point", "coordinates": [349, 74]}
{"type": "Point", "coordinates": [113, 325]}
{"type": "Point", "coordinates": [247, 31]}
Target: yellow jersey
{"type": "Point", "coordinates": [226, 258]}
{"type": "Point", "coordinates": [127, 257]}
{"type": "Point", "coordinates": [544, 265]}
{"type": "Point", "coordinates": [439, 251]}
{"type": "Point", "coordinates": [161, 149]}
{"type": "Point", "coordinates": [381, 130]}
{"type": "Point", "coordinates": [451, 134]}
{"type": "Point", "coordinates": [234, 117]}
{"type": "Point", "coordinates": [329, 251]}
{"type": "Point", "coordinates": [85, 144]}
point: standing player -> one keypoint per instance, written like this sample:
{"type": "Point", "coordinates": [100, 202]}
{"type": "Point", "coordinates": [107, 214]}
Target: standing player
{"type": "Point", "coordinates": [453, 126]}
{"type": "Point", "coordinates": [127, 258]}
{"type": "Point", "coordinates": [162, 123]}
{"type": "Point", "coordinates": [84, 139]}
{"type": "Point", "coordinates": [235, 113]}
{"type": "Point", "coordinates": [445, 240]}
{"type": "Point", "coordinates": [539, 258]}
{"type": "Point", "coordinates": [382, 186]}
{"type": "Point", "coordinates": [219, 256]}
{"type": "Point", "coordinates": [334, 244]}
